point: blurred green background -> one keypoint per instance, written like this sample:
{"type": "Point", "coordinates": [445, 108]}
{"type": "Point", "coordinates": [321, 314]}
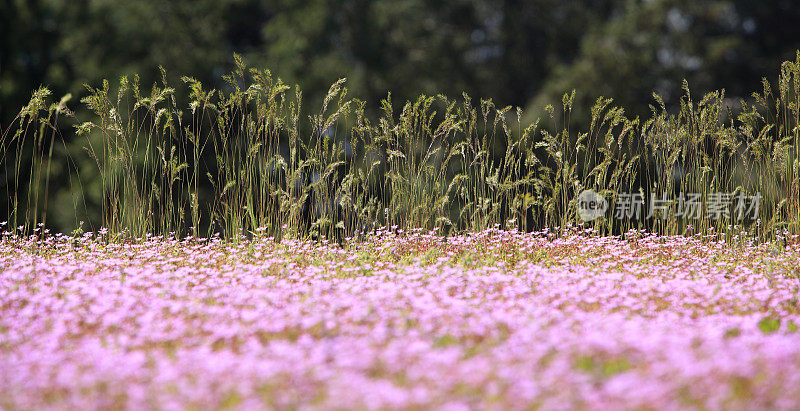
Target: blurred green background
{"type": "Point", "coordinates": [521, 53]}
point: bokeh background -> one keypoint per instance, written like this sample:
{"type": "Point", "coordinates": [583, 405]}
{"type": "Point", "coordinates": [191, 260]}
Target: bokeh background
{"type": "Point", "coordinates": [520, 53]}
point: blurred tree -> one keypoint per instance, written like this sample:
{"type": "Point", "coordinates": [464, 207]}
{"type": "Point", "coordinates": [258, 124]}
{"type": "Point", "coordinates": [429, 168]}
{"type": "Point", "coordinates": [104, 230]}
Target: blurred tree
{"type": "Point", "coordinates": [652, 45]}
{"type": "Point", "coordinates": [27, 52]}
{"type": "Point", "coordinates": [66, 43]}
{"type": "Point", "coordinates": [492, 49]}
{"type": "Point", "coordinates": [406, 46]}
{"type": "Point", "coordinates": [510, 50]}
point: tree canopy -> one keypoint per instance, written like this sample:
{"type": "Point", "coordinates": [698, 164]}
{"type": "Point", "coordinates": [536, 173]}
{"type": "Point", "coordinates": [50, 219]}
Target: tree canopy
{"type": "Point", "coordinates": [522, 53]}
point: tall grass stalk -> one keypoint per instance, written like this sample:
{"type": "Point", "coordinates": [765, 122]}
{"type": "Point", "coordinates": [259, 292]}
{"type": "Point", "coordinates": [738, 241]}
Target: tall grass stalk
{"type": "Point", "coordinates": [247, 161]}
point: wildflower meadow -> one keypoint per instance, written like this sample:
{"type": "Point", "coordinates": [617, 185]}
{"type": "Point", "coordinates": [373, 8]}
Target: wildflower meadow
{"type": "Point", "coordinates": [490, 320]}
{"type": "Point", "coordinates": [232, 249]}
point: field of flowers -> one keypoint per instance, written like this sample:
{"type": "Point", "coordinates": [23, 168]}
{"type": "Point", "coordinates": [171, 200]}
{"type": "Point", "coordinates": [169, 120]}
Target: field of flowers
{"type": "Point", "coordinates": [490, 320]}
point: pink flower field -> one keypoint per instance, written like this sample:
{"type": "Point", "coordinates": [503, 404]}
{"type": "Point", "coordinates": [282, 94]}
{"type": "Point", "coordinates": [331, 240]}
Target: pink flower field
{"type": "Point", "coordinates": [493, 320]}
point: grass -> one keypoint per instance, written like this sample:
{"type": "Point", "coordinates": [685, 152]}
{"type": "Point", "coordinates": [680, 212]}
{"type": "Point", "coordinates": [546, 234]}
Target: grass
{"type": "Point", "coordinates": [249, 160]}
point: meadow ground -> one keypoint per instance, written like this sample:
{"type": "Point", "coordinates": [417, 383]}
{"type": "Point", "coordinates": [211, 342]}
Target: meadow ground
{"type": "Point", "coordinates": [489, 320]}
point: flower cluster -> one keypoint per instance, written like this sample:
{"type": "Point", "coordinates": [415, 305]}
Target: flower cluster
{"type": "Point", "coordinates": [488, 320]}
